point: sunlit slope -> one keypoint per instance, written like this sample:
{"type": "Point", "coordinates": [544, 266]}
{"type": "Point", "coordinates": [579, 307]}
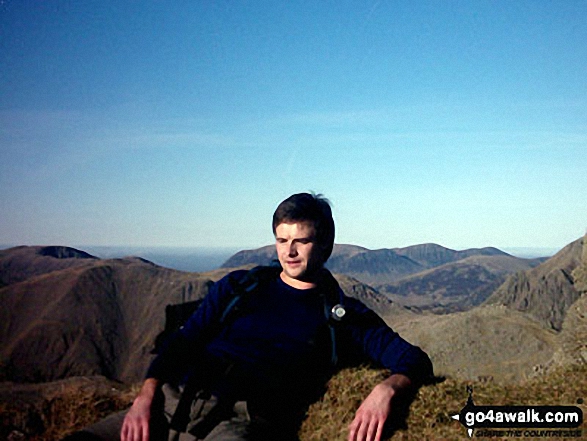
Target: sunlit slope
{"type": "Point", "coordinates": [545, 292]}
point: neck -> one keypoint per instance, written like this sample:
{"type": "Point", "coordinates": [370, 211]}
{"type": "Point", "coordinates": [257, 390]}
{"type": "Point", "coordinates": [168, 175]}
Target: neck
{"type": "Point", "coordinates": [297, 283]}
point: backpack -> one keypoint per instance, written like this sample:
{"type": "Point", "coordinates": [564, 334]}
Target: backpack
{"type": "Point", "coordinates": [177, 314]}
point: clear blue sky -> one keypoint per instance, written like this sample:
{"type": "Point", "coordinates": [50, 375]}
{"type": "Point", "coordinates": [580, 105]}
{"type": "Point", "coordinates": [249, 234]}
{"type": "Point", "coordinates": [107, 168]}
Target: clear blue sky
{"type": "Point", "coordinates": [185, 123]}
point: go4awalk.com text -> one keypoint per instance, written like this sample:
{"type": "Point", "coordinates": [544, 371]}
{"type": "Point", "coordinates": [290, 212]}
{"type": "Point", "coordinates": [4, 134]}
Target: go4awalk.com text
{"type": "Point", "coordinates": [520, 421]}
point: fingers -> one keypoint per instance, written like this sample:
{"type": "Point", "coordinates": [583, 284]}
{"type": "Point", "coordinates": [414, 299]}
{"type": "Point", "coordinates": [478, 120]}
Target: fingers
{"type": "Point", "coordinates": [135, 429]}
{"type": "Point", "coordinates": [366, 428]}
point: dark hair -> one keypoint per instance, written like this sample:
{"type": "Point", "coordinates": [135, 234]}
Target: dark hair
{"type": "Point", "coordinates": [308, 207]}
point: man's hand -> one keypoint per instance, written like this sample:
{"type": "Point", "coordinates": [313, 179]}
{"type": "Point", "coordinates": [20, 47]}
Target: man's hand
{"type": "Point", "coordinates": [137, 421]}
{"type": "Point", "coordinates": [373, 412]}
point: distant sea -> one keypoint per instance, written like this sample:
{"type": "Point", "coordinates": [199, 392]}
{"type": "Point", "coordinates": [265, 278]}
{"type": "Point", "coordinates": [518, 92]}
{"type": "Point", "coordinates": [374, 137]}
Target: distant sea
{"type": "Point", "coordinates": [531, 253]}
{"type": "Point", "coordinates": [179, 258]}
{"type": "Point", "coordinates": [207, 259]}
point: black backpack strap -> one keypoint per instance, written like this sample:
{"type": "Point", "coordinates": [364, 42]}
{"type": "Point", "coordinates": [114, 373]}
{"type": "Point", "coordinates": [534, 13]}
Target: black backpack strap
{"type": "Point", "coordinates": [245, 286]}
{"type": "Point", "coordinates": [181, 415]}
{"type": "Point", "coordinates": [334, 310]}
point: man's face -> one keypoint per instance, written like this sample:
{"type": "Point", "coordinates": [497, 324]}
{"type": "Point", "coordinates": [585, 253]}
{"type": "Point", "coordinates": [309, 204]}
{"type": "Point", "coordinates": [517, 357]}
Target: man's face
{"type": "Point", "coordinates": [298, 252]}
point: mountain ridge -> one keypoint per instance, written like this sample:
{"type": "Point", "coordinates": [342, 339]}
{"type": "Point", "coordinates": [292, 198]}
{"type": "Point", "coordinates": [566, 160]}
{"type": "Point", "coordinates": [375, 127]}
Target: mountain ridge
{"type": "Point", "coordinates": [423, 270]}
{"type": "Point", "coordinates": [546, 291]}
{"type": "Point", "coordinates": [355, 260]}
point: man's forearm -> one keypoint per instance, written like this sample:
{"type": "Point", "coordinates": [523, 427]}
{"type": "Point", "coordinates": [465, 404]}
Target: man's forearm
{"type": "Point", "coordinates": [137, 421]}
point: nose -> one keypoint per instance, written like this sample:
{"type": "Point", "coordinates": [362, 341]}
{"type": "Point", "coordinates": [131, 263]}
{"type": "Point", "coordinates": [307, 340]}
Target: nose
{"type": "Point", "coordinates": [292, 250]}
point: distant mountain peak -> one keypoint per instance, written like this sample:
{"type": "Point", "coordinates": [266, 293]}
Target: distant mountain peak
{"type": "Point", "coordinates": [62, 252]}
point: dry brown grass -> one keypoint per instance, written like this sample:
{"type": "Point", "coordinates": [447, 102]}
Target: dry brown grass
{"type": "Point", "coordinates": [72, 412]}
{"type": "Point", "coordinates": [429, 416]}
{"type": "Point", "coordinates": [53, 417]}
{"type": "Point", "coordinates": [430, 413]}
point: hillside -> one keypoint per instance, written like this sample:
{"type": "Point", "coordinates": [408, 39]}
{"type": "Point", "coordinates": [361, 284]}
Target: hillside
{"type": "Point", "coordinates": [573, 335]}
{"type": "Point", "coordinates": [503, 342]}
{"type": "Point", "coordinates": [93, 316]}
{"type": "Point", "coordinates": [98, 317]}
{"type": "Point", "coordinates": [455, 286]}
{"type": "Point", "coordinates": [488, 342]}
{"type": "Point", "coordinates": [48, 412]}
{"type": "Point", "coordinates": [545, 292]}
{"type": "Point", "coordinates": [374, 267]}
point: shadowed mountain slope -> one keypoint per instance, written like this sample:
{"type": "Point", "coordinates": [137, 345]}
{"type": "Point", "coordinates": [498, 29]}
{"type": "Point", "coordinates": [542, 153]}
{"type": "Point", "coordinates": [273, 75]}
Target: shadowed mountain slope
{"type": "Point", "coordinates": [373, 267]}
{"type": "Point", "coordinates": [97, 319]}
{"type": "Point", "coordinates": [456, 286]}
{"type": "Point", "coordinates": [545, 292]}
{"type": "Point", "coordinates": [574, 330]}
{"type": "Point", "coordinates": [20, 263]}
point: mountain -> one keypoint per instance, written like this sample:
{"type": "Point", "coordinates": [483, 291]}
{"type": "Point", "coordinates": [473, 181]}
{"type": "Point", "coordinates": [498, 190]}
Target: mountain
{"type": "Point", "coordinates": [374, 267]}
{"type": "Point", "coordinates": [87, 317]}
{"type": "Point", "coordinates": [456, 286]}
{"type": "Point", "coordinates": [259, 256]}
{"type": "Point", "coordinates": [20, 263]}
{"type": "Point", "coordinates": [426, 276]}
{"type": "Point", "coordinates": [431, 255]}
{"type": "Point", "coordinates": [545, 292]}
{"type": "Point", "coordinates": [377, 267]}
{"type": "Point", "coordinates": [65, 314]}
{"type": "Point", "coordinates": [92, 316]}
{"type": "Point", "coordinates": [264, 255]}
{"type": "Point", "coordinates": [573, 347]}
{"type": "Point", "coordinates": [84, 315]}
{"type": "Point", "coordinates": [502, 342]}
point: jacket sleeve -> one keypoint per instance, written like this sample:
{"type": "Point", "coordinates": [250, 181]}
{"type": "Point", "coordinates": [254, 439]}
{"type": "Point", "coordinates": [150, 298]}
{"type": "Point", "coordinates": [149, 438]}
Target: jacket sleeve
{"type": "Point", "coordinates": [381, 345]}
{"type": "Point", "coordinates": [182, 350]}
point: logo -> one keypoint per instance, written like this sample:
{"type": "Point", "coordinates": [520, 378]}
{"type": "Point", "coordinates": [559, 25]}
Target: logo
{"type": "Point", "coordinates": [559, 419]}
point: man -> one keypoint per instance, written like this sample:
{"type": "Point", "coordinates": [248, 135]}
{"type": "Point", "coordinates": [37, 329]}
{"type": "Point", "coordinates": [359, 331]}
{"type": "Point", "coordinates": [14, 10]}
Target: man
{"type": "Point", "coordinates": [262, 368]}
